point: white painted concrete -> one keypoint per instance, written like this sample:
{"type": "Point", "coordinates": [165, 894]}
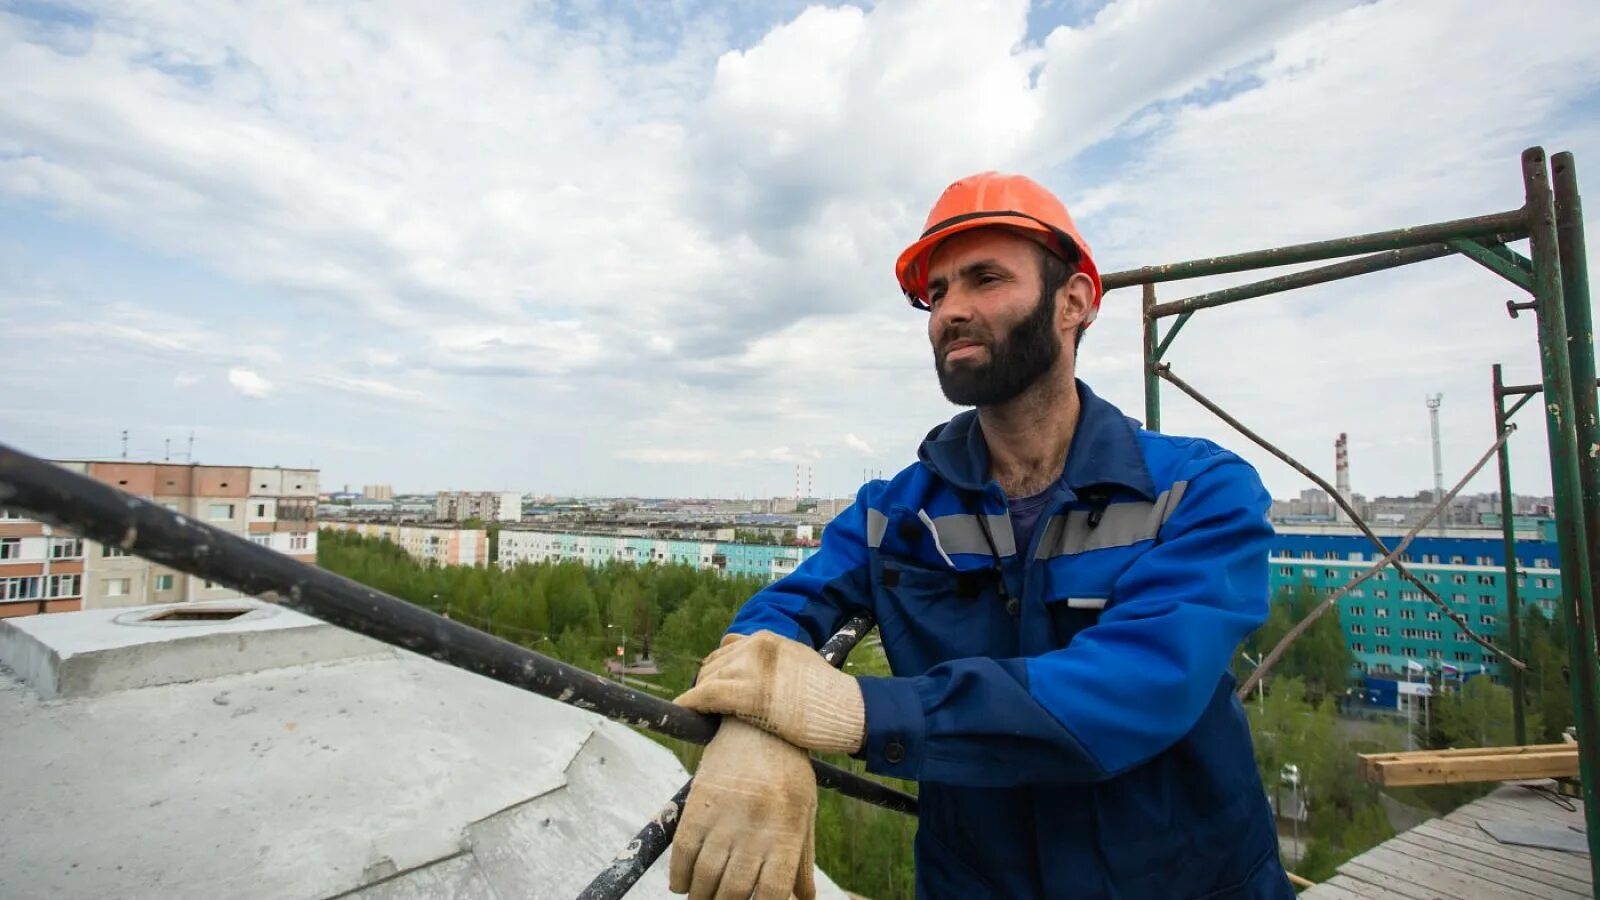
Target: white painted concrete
{"type": "Point", "coordinates": [383, 776]}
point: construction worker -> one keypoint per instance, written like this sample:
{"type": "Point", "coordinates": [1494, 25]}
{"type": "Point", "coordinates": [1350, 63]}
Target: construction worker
{"type": "Point", "coordinates": [1059, 593]}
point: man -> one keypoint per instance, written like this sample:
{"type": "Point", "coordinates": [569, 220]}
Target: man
{"type": "Point", "coordinates": [1059, 593]}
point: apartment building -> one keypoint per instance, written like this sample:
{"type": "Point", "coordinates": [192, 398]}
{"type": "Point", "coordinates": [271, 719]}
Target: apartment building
{"type": "Point", "coordinates": [440, 545]}
{"type": "Point", "coordinates": [490, 506]}
{"type": "Point", "coordinates": [43, 570]}
{"type": "Point", "coordinates": [519, 545]}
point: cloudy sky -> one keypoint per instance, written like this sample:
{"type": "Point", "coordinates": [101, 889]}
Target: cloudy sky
{"type": "Point", "coordinates": [573, 247]}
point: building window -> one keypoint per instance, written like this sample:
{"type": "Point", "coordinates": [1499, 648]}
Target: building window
{"type": "Point", "coordinates": [1458, 598]}
{"type": "Point", "coordinates": [1458, 578]}
{"type": "Point", "coordinates": [117, 587]}
{"type": "Point", "coordinates": [1408, 614]}
{"type": "Point", "coordinates": [1433, 615]}
{"type": "Point", "coordinates": [1357, 557]}
{"type": "Point", "coordinates": [298, 540]}
{"type": "Point", "coordinates": [1381, 631]}
{"type": "Point", "coordinates": [261, 510]}
{"type": "Point", "coordinates": [1381, 612]}
{"type": "Point", "coordinates": [107, 551]}
{"type": "Point", "coordinates": [163, 582]}
{"type": "Point", "coordinates": [1485, 561]}
{"type": "Point", "coordinates": [1309, 573]}
{"type": "Point", "coordinates": [1544, 582]}
{"type": "Point", "coordinates": [1456, 560]}
{"type": "Point", "coordinates": [1358, 647]}
{"type": "Point", "coordinates": [10, 548]}
{"type": "Point", "coordinates": [25, 588]}
{"type": "Point", "coordinates": [66, 548]}
{"type": "Point", "coordinates": [1329, 573]}
{"type": "Point", "coordinates": [219, 511]}
{"type": "Point", "coordinates": [1541, 563]}
{"type": "Point", "coordinates": [1436, 654]}
{"type": "Point", "coordinates": [64, 585]}
{"type": "Point", "coordinates": [1463, 656]}
{"type": "Point", "coordinates": [262, 539]}
{"type": "Point", "coordinates": [1486, 579]}
{"type": "Point", "coordinates": [1358, 629]}
{"type": "Point", "coordinates": [1485, 599]}
{"type": "Point", "coordinates": [1382, 649]}
{"type": "Point", "coordinates": [1433, 579]}
{"type": "Point", "coordinates": [1356, 610]}
{"type": "Point", "coordinates": [1286, 571]}
{"type": "Point", "coordinates": [1486, 620]}
{"type": "Point", "coordinates": [6, 514]}
{"type": "Point", "coordinates": [1381, 594]}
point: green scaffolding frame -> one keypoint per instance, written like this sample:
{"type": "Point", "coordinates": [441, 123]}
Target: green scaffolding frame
{"type": "Point", "coordinates": [1555, 273]}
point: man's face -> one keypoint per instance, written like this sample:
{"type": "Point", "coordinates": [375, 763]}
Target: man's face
{"type": "Point", "coordinates": [993, 333]}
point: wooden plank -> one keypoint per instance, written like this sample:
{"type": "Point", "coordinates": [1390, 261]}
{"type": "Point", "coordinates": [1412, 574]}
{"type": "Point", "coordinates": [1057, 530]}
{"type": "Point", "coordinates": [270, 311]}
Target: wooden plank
{"type": "Point", "coordinates": [1465, 752]}
{"type": "Point", "coordinates": [1460, 770]}
{"type": "Point", "coordinates": [1329, 890]}
{"type": "Point", "coordinates": [1571, 865]}
{"type": "Point", "coordinates": [1527, 807]}
{"type": "Point", "coordinates": [1383, 884]}
{"type": "Point", "coordinates": [1530, 880]}
{"type": "Point", "coordinates": [1474, 840]}
{"type": "Point", "coordinates": [1356, 888]}
{"type": "Point", "coordinates": [1394, 860]}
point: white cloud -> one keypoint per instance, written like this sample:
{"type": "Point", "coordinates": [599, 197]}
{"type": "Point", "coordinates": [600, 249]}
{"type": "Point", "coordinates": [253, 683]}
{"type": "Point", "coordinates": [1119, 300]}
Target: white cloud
{"type": "Point", "coordinates": [186, 379]}
{"type": "Point", "coordinates": [249, 383]}
{"type": "Point", "coordinates": [636, 244]}
{"type": "Point", "coordinates": [666, 455]}
{"type": "Point", "coordinates": [859, 445]}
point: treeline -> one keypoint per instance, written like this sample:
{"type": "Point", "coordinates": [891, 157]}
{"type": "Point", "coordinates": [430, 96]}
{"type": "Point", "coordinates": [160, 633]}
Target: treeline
{"type": "Point", "coordinates": [676, 615]}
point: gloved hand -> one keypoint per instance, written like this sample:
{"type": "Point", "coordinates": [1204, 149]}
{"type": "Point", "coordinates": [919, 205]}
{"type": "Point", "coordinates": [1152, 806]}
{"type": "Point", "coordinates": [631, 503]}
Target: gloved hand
{"type": "Point", "coordinates": [784, 687]}
{"type": "Point", "coordinates": [749, 823]}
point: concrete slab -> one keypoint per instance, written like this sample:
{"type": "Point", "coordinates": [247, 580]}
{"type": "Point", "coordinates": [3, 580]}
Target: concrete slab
{"type": "Point", "coordinates": [99, 651]}
{"type": "Point", "coordinates": [384, 777]}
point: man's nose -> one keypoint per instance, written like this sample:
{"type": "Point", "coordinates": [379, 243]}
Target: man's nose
{"type": "Point", "coordinates": [954, 308]}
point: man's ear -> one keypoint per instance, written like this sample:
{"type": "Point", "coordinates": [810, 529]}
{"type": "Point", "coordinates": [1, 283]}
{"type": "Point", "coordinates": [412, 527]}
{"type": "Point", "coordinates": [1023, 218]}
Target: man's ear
{"type": "Point", "coordinates": [1075, 301]}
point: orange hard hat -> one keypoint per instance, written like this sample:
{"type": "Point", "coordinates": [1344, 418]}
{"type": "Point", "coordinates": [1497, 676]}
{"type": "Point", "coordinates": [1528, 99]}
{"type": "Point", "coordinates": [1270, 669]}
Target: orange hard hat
{"type": "Point", "coordinates": [987, 199]}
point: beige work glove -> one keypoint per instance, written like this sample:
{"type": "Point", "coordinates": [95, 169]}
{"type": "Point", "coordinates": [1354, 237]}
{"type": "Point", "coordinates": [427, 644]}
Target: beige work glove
{"type": "Point", "coordinates": [749, 824]}
{"type": "Point", "coordinates": [784, 687]}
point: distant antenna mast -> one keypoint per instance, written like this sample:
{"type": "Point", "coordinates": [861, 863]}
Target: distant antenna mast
{"type": "Point", "coordinates": [189, 456]}
{"type": "Point", "coordinates": [1438, 459]}
{"type": "Point", "coordinates": [124, 443]}
{"type": "Point", "coordinates": [166, 455]}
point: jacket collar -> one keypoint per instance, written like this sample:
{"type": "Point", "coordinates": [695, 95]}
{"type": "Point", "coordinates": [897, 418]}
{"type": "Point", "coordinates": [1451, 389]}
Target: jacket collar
{"type": "Point", "coordinates": [1105, 450]}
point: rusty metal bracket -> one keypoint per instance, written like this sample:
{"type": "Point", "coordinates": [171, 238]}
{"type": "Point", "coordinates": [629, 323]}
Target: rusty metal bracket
{"type": "Point", "coordinates": [1499, 259]}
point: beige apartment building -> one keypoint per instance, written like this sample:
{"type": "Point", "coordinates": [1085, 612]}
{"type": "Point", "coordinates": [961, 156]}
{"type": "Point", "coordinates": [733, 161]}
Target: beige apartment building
{"type": "Point", "coordinates": [42, 570]}
{"type": "Point", "coordinates": [490, 506]}
{"type": "Point", "coordinates": [441, 545]}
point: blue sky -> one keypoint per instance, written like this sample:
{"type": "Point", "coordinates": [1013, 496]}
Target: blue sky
{"type": "Point", "coordinates": [575, 248]}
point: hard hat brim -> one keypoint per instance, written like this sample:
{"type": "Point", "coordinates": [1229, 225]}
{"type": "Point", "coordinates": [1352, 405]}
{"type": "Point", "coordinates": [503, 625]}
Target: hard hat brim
{"type": "Point", "coordinates": [912, 266]}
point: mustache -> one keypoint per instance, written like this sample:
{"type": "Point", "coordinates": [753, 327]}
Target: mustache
{"type": "Point", "coordinates": [954, 333]}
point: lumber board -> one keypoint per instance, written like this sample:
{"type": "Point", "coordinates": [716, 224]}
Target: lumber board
{"type": "Point", "coordinates": [1432, 876]}
{"type": "Point", "coordinates": [1416, 770]}
{"type": "Point", "coordinates": [1569, 867]}
{"type": "Point", "coordinates": [1467, 752]}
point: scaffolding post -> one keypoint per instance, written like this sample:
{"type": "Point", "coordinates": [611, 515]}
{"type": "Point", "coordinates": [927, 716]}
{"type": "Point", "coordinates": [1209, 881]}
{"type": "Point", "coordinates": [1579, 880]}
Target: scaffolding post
{"type": "Point", "coordinates": [1580, 345]}
{"type": "Point", "coordinates": [1519, 685]}
{"type": "Point", "coordinates": [1152, 382]}
{"type": "Point", "coordinates": [1571, 531]}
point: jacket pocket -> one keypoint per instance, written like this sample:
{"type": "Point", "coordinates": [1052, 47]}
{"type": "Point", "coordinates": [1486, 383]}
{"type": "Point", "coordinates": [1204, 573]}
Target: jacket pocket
{"type": "Point", "coordinates": [1070, 614]}
{"type": "Point", "coordinates": [942, 874]}
{"type": "Point", "coordinates": [929, 616]}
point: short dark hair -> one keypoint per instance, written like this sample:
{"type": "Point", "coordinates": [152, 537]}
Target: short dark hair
{"type": "Point", "coordinates": [1053, 275]}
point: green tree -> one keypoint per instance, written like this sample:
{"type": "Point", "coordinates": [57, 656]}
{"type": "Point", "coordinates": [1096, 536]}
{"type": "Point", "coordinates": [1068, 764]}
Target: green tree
{"type": "Point", "coordinates": [1320, 658]}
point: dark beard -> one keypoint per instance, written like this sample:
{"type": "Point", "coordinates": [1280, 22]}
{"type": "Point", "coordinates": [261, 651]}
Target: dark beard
{"type": "Point", "coordinates": [1015, 363]}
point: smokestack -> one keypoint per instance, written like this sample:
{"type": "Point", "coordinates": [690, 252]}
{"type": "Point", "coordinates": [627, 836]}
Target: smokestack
{"type": "Point", "coordinates": [1341, 478]}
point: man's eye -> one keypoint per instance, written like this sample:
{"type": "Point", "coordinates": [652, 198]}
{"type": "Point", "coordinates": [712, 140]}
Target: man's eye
{"type": "Point", "coordinates": [988, 278]}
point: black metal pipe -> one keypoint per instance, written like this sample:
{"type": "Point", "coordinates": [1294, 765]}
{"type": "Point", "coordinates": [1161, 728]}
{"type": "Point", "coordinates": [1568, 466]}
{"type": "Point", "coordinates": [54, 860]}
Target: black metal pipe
{"type": "Point", "coordinates": [1506, 226]}
{"type": "Point", "coordinates": [1514, 389]}
{"type": "Point", "coordinates": [1377, 262]}
{"type": "Point", "coordinates": [655, 837]}
{"type": "Point", "coordinates": [100, 512]}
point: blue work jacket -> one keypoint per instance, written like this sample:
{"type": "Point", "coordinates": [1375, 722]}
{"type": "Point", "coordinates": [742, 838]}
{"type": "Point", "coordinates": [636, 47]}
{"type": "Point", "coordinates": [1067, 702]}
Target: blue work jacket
{"type": "Point", "coordinates": [1065, 707]}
